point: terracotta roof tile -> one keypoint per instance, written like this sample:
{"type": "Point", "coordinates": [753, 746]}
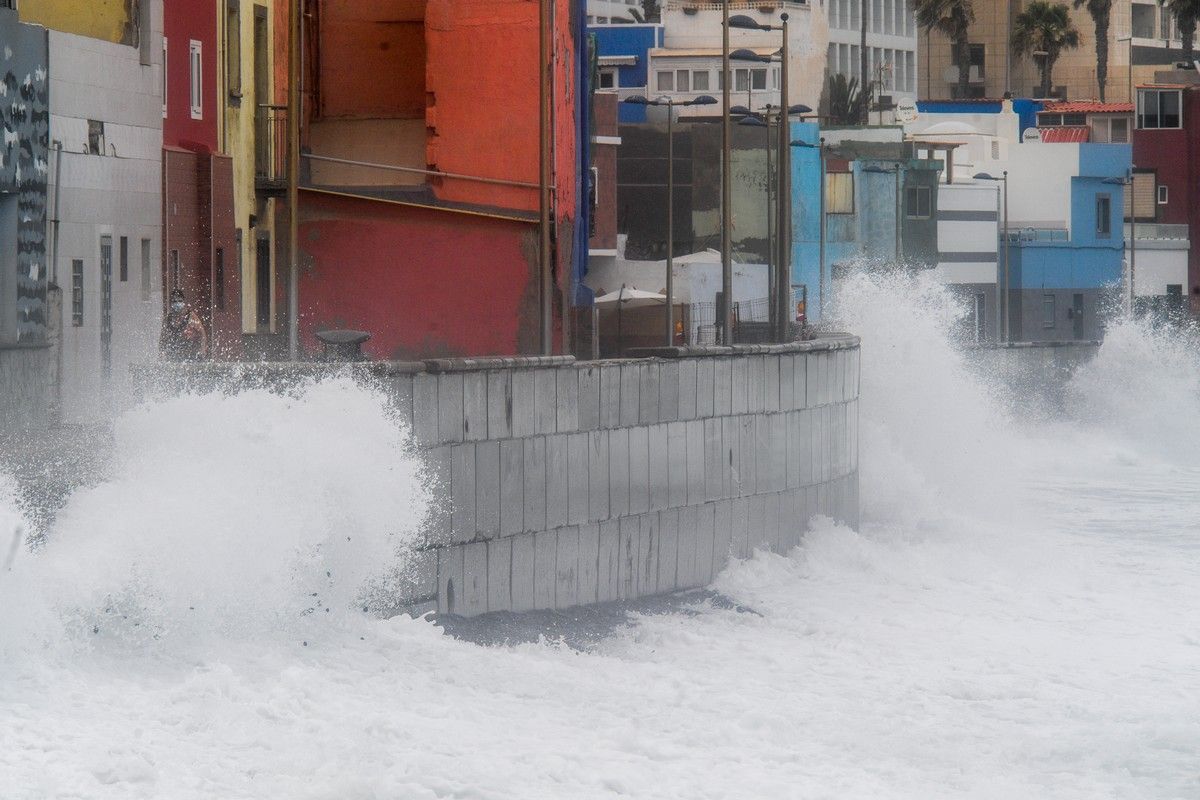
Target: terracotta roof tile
{"type": "Point", "coordinates": [1065, 134]}
{"type": "Point", "coordinates": [1088, 107]}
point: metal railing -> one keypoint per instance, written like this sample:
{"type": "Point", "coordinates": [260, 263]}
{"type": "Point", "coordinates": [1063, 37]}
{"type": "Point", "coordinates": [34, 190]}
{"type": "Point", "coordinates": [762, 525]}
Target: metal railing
{"type": "Point", "coordinates": [271, 146]}
{"type": "Point", "coordinates": [751, 319]}
{"type": "Point", "coordinates": [1156, 230]}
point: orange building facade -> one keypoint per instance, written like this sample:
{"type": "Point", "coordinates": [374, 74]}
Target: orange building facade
{"type": "Point", "coordinates": [419, 202]}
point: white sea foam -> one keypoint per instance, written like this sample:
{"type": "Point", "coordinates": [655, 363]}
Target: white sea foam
{"type": "Point", "coordinates": [1016, 617]}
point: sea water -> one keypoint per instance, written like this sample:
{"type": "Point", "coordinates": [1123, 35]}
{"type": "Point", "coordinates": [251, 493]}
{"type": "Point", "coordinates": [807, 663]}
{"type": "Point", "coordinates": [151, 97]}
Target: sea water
{"type": "Point", "coordinates": [1018, 617]}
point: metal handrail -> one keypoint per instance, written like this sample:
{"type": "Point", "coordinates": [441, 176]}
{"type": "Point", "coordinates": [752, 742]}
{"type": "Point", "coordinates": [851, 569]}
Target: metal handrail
{"type": "Point", "coordinates": [417, 171]}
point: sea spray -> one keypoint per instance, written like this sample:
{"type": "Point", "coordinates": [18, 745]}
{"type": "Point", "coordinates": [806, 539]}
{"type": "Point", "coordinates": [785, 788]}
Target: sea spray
{"type": "Point", "coordinates": [232, 515]}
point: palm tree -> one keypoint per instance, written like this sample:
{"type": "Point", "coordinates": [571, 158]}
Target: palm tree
{"type": "Point", "coordinates": [1101, 12]}
{"type": "Point", "coordinates": [952, 18]}
{"type": "Point", "coordinates": [845, 103]}
{"type": "Point", "coordinates": [1186, 12]}
{"type": "Point", "coordinates": [1044, 29]}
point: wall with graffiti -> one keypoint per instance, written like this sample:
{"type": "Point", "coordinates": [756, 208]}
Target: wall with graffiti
{"type": "Point", "coordinates": [24, 123]}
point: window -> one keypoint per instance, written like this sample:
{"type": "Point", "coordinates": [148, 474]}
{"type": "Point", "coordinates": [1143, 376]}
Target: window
{"type": "Point", "coordinates": [978, 54]}
{"type": "Point", "coordinates": [165, 83]}
{"type": "Point", "coordinates": [124, 256]}
{"type": "Point", "coordinates": [1118, 130]}
{"type": "Point", "coordinates": [95, 141]}
{"type": "Point", "coordinates": [683, 80]}
{"type": "Point", "coordinates": [1162, 195]}
{"type": "Point", "coordinates": [219, 278]}
{"type": "Point", "coordinates": [145, 270]}
{"type": "Point", "coordinates": [9, 4]}
{"type": "Point", "coordinates": [77, 292]}
{"type": "Point", "coordinates": [1047, 311]}
{"type": "Point", "coordinates": [919, 202]}
{"type": "Point", "coordinates": [1158, 108]}
{"type": "Point", "coordinates": [1103, 216]}
{"type": "Point", "coordinates": [608, 79]}
{"type": "Point", "coordinates": [175, 269]}
{"type": "Point", "coordinates": [666, 81]}
{"type": "Point", "coordinates": [758, 80]}
{"type": "Point", "coordinates": [195, 70]}
{"type": "Point", "coordinates": [233, 50]}
{"type": "Point", "coordinates": [1074, 119]}
{"type": "Point", "coordinates": [741, 80]}
{"type": "Point", "coordinates": [839, 193]}
{"type": "Point", "coordinates": [700, 81]}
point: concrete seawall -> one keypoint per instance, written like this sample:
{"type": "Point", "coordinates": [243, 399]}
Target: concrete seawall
{"type": "Point", "coordinates": [564, 483]}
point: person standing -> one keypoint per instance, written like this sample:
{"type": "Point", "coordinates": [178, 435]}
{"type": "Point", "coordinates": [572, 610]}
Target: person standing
{"type": "Point", "coordinates": [183, 336]}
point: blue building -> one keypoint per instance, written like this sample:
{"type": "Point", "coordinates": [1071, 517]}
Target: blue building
{"type": "Point", "coordinates": [880, 205]}
{"type": "Point", "coordinates": [1064, 282]}
{"type": "Point", "coordinates": [623, 61]}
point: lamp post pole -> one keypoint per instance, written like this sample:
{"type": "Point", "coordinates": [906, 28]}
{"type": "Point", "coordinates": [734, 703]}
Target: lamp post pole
{"type": "Point", "coordinates": [1007, 275]}
{"type": "Point", "coordinates": [821, 252]}
{"type": "Point", "coordinates": [726, 185]}
{"type": "Point", "coordinates": [1124, 182]}
{"type": "Point", "coordinates": [295, 107]}
{"type": "Point", "coordinates": [899, 212]}
{"type": "Point", "coordinates": [783, 237]}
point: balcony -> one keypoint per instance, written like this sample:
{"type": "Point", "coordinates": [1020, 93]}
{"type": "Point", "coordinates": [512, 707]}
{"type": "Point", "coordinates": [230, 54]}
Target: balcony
{"type": "Point", "coordinates": [271, 150]}
{"type": "Point", "coordinates": [1156, 230]}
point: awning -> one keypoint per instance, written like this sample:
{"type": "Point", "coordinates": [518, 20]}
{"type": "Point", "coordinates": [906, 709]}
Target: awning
{"type": "Point", "coordinates": [1066, 134]}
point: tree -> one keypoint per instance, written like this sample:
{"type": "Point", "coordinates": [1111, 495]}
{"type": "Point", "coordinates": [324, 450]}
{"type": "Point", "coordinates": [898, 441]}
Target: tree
{"type": "Point", "coordinates": [952, 18]}
{"type": "Point", "coordinates": [1044, 30]}
{"type": "Point", "coordinates": [1185, 12]}
{"type": "Point", "coordinates": [1101, 12]}
{"type": "Point", "coordinates": [651, 11]}
{"type": "Point", "coordinates": [847, 105]}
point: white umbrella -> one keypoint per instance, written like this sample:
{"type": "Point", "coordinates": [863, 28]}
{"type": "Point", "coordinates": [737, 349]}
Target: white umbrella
{"type": "Point", "coordinates": [628, 298]}
{"type": "Point", "coordinates": [631, 298]}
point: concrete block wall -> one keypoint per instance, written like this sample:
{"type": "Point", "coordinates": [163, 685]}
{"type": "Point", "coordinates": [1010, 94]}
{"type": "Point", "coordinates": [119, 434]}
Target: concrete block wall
{"type": "Point", "coordinates": [566, 483]}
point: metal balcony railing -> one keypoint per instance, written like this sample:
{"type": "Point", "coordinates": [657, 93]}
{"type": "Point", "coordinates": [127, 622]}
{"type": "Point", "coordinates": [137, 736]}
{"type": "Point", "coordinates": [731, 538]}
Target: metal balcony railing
{"type": "Point", "coordinates": [271, 149]}
{"type": "Point", "coordinates": [1157, 230]}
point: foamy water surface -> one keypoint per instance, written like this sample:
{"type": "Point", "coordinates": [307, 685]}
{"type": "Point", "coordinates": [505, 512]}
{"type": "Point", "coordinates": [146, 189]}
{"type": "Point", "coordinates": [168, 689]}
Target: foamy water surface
{"type": "Point", "coordinates": [1016, 618]}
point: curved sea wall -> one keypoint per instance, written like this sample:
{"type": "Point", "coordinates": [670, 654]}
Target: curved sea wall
{"type": "Point", "coordinates": [562, 483]}
{"type": "Point", "coordinates": [586, 482]}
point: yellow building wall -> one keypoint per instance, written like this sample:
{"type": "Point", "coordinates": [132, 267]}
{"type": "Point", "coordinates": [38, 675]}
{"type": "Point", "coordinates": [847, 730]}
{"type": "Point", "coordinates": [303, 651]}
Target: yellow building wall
{"type": "Point", "coordinates": [110, 20]}
{"type": "Point", "coordinates": [238, 141]}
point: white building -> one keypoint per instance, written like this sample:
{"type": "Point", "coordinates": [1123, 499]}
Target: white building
{"type": "Point", "coordinates": [891, 44]}
{"type": "Point", "coordinates": [692, 41]}
{"type": "Point", "coordinates": [602, 11]}
{"type": "Point", "coordinates": [106, 194]}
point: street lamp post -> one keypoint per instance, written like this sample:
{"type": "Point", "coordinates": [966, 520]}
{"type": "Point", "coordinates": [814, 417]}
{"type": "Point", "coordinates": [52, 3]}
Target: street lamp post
{"type": "Point", "coordinates": [781, 299]}
{"type": "Point", "coordinates": [726, 185]}
{"type": "Point", "coordinates": [1002, 295]}
{"type": "Point", "coordinates": [670, 103]}
{"type": "Point", "coordinates": [1123, 182]}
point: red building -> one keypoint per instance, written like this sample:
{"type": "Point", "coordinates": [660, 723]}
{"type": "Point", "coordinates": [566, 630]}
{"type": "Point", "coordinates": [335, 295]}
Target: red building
{"type": "Point", "coordinates": [1166, 157]}
{"type": "Point", "coordinates": [420, 201]}
{"type": "Point", "coordinates": [200, 248]}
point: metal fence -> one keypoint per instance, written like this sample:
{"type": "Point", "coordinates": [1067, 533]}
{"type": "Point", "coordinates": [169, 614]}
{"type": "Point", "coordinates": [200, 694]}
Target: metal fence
{"type": "Point", "coordinates": [751, 319]}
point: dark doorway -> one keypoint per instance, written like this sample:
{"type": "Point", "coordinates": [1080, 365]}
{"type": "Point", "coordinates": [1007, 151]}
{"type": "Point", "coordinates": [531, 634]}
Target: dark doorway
{"type": "Point", "coordinates": [1077, 316]}
{"type": "Point", "coordinates": [263, 284]}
